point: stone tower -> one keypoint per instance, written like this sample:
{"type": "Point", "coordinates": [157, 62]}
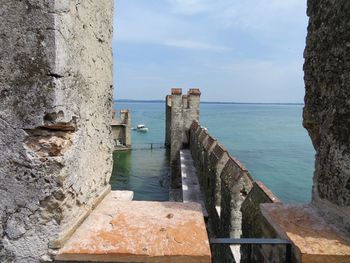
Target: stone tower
{"type": "Point", "coordinates": [181, 111]}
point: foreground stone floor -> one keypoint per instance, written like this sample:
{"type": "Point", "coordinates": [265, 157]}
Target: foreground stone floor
{"type": "Point", "coordinates": [315, 240]}
{"type": "Point", "coordinates": [139, 231]}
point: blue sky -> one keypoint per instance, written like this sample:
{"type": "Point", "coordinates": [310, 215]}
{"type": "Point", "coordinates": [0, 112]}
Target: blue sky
{"type": "Point", "coordinates": [233, 50]}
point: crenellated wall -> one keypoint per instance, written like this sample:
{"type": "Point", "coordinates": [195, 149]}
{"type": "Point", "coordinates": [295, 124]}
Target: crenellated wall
{"type": "Point", "coordinates": [232, 197]}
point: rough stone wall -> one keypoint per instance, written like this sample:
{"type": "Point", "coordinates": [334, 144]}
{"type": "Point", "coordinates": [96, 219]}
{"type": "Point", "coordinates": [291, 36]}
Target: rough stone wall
{"type": "Point", "coordinates": [118, 133]}
{"type": "Point", "coordinates": [266, 253]}
{"type": "Point", "coordinates": [254, 226]}
{"type": "Point", "coordinates": [55, 101]}
{"type": "Point", "coordinates": [176, 124]}
{"type": "Point", "coordinates": [236, 183]}
{"type": "Point", "coordinates": [259, 194]}
{"type": "Point", "coordinates": [191, 106]}
{"type": "Point", "coordinates": [126, 115]}
{"type": "Point", "coordinates": [167, 120]}
{"type": "Point", "coordinates": [327, 105]}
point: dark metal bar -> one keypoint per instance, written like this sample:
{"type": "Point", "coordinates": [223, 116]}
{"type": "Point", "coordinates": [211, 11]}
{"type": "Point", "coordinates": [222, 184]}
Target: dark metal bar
{"type": "Point", "coordinates": [250, 259]}
{"type": "Point", "coordinates": [289, 253]}
{"type": "Point", "coordinates": [253, 241]}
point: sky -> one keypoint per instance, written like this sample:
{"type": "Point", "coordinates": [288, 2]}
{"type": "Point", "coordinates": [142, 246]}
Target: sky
{"type": "Point", "coordinates": [233, 50]}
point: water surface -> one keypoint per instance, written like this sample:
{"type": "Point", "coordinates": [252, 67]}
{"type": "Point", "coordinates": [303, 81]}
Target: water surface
{"type": "Point", "coordinates": [268, 139]}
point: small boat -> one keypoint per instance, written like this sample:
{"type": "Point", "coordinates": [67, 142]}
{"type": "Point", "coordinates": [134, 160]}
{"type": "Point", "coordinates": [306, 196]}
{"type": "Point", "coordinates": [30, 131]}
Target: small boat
{"type": "Point", "coordinates": [141, 128]}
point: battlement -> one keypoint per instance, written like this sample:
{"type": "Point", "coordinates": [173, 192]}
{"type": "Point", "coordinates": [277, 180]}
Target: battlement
{"type": "Point", "coordinates": [185, 101]}
{"type": "Point", "coordinates": [195, 92]}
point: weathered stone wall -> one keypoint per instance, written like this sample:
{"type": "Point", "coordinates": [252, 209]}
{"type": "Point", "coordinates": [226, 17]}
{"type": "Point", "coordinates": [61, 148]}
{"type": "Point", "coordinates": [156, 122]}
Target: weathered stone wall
{"type": "Point", "coordinates": [254, 226]}
{"type": "Point", "coordinates": [259, 194]}
{"type": "Point", "coordinates": [176, 124]}
{"type": "Point", "coordinates": [55, 103]}
{"type": "Point", "coordinates": [118, 133]}
{"type": "Point", "coordinates": [167, 120]}
{"type": "Point", "coordinates": [125, 116]}
{"type": "Point", "coordinates": [327, 105]}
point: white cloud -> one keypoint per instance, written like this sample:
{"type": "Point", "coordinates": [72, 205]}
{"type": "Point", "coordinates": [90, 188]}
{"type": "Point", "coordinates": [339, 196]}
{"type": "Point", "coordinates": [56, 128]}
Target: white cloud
{"type": "Point", "coordinates": [265, 80]}
{"type": "Point", "coordinates": [188, 44]}
{"type": "Point", "coordinates": [264, 39]}
{"type": "Point", "coordinates": [138, 25]}
{"type": "Point", "coordinates": [189, 7]}
{"type": "Point", "coordinates": [260, 15]}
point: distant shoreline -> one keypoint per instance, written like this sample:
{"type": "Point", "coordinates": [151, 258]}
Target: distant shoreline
{"type": "Point", "coordinates": [211, 102]}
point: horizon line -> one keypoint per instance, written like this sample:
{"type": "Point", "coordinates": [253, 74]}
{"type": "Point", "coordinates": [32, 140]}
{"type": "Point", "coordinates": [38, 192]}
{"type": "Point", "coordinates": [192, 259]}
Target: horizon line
{"type": "Point", "coordinates": [208, 102]}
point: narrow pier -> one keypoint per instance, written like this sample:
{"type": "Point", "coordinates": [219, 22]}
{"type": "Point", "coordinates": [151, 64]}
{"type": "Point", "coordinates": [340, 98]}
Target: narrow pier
{"type": "Point", "coordinates": [191, 191]}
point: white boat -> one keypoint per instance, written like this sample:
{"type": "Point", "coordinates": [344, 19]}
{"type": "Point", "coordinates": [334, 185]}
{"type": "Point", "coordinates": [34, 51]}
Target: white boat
{"type": "Point", "coordinates": [141, 128]}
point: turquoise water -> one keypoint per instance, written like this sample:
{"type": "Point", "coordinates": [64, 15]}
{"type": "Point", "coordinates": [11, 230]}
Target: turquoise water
{"type": "Point", "coordinates": [143, 170]}
{"type": "Point", "coordinates": [268, 139]}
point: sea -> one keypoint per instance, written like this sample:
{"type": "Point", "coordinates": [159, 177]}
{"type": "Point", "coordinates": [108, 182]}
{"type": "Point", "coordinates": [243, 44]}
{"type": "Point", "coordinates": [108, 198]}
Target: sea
{"type": "Point", "coordinates": [268, 139]}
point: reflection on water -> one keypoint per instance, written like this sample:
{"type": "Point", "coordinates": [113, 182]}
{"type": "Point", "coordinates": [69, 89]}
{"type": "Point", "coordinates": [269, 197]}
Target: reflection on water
{"type": "Point", "coordinates": [143, 171]}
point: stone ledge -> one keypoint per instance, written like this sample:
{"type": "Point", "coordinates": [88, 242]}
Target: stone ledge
{"type": "Point", "coordinates": [314, 239]}
{"type": "Point", "coordinates": [138, 231]}
{"type": "Point", "coordinates": [64, 236]}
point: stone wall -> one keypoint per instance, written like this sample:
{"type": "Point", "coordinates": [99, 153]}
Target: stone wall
{"type": "Point", "coordinates": [55, 108]}
{"type": "Point", "coordinates": [167, 120]}
{"type": "Point", "coordinates": [327, 106]}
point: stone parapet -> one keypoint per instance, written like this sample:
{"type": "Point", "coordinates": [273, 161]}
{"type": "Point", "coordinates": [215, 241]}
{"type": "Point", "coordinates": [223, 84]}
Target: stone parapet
{"type": "Point", "coordinates": [314, 239]}
{"type": "Point", "coordinates": [139, 231]}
